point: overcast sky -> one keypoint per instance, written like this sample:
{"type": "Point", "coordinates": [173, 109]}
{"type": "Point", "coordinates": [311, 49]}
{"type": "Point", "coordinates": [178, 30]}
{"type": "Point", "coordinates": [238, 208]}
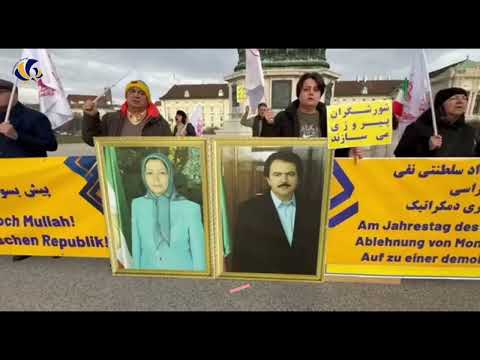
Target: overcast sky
{"type": "Point", "coordinates": [87, 71]}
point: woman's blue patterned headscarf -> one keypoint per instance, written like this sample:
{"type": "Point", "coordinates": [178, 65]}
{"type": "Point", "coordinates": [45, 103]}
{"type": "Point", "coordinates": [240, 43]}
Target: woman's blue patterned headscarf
{"type": "Point", "coordinates": [162, 203]}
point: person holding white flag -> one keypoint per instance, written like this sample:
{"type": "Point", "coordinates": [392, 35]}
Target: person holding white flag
{"type": "Point", "coordinates": [455, 138]}
{"type": "Point", "coordinates": [24, 132]}
{"type": "Point", "coordinates": [138, 116]}
{"type": "Point", "coordinates": [53, 102]}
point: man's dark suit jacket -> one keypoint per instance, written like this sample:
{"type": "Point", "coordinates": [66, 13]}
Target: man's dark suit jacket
{"type": "Point", "coordinates": [261, 246]}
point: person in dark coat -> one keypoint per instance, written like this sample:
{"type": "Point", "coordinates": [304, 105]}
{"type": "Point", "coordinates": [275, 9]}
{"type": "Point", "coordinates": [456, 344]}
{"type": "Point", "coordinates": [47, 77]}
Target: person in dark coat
{"type": "Point", "coordinates": [455, 137]}
{"type": "Point", "coordinates": [278, 232]}
{"type": "Point", "coordinates": [138, 116]}
{"type": "Point", "coordinates": [306, 117]}
{"type": "Point", "coordinates": [28, 133]}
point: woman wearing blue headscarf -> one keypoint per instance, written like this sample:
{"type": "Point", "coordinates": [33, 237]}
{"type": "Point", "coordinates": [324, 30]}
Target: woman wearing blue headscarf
{"type": "Point", "coordinates": [167, 230]}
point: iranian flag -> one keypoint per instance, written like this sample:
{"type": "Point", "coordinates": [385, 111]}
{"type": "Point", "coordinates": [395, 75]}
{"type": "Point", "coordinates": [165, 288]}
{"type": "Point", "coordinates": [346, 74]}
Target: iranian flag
{"type": "Point", "coordinates": [400, 99]}
{"type": "Point", "coordinates": [416, 92]}
{"type": "Point", "coordinates": [417, 99]}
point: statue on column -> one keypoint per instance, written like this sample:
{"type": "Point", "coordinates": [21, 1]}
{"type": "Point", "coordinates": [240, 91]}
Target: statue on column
{"type": "Point", "coordinates": [280, 58]}
{"type": "Point", "coordinates": [241, 60]}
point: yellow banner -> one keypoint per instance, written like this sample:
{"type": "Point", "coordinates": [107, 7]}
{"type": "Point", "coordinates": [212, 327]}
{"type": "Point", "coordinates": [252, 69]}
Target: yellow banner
{"type": "Point", "coordinates": [241, 94]}
{"type": "Point", "coordinates": [405, 218]}
{"type": "Point", "coordinates": [359, 124]}
{"type": "Point", "coordinates": [51, 207]}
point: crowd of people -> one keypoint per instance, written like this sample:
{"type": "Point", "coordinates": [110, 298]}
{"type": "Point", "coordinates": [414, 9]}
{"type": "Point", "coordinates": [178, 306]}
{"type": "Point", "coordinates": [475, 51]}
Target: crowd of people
{"type": "Point", "coordinates": [28, 133]}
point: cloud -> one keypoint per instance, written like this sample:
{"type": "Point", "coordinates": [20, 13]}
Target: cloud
{"type": "Point", "coordinates": [390, 62]}
{"type": "Point", "coordinates": [88, 71]}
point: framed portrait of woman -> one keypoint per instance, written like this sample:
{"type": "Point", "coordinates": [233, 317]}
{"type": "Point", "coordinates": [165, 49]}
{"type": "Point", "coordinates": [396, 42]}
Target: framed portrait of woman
{"type": "Point", "coordinates": [156, 205]}
{"type": "Point", "coordinates": [271, 205]}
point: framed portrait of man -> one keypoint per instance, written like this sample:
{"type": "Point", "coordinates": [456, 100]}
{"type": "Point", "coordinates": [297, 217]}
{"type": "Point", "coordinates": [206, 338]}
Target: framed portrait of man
{"type": "Point", "coordinates": [271, 204]}
{"type": "Point", "coordinates": [156, 205]}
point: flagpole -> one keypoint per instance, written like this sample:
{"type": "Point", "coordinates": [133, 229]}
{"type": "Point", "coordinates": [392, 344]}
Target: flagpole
{"type": "Point", "coordinates": [434, 117]}
{"type": "Point", "coordinates": [10, 101]}
{"type": "Point", "coordinates": [111, 87]}
{"type": "Point", "coordinates": [100, 96]}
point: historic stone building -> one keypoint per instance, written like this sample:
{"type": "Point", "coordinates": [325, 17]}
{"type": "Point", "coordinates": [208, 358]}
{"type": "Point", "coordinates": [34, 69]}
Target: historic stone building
{"type": "Point", "coordinates": [372, 90]}
{"type": "Point", "coordinates": [464, 74]}
{"type": "Point", "coordinates": [212, 97]}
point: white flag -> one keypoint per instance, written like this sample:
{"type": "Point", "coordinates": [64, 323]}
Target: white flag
{"type": "Point", "coordinates": [417, 98]}
{"type": "Point", "coordinates": [196, 119]}
{"type": "Point", "coordinates": [254, 81]}
{"type": "Point", "coordinates": [53, 102]}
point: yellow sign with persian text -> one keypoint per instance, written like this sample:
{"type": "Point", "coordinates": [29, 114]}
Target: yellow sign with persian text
{"type": "Point", "coordinates": [405, 218]}
{"type": "Point", "coordinates": [359, 124]}
{"type": "Point", "coordinates": [51, 207]}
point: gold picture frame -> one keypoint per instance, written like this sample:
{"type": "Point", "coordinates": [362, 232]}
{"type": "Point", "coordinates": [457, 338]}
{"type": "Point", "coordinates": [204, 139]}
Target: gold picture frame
{"type": "Point", "coordinates": [221, 193]}
{"type": "Point", "coordinates": [132, 150]}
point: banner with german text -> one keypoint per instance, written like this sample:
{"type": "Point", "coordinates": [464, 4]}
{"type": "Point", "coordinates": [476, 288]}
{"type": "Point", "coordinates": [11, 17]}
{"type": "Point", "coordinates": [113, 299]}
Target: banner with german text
{"type": "Point", "coordinates": [405, 218]}
{"type": "Point", "coordinates": [51, 207]}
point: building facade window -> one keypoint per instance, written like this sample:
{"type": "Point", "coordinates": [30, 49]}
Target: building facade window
{"type": "Point", "coordinates": [281, 93]}
{"type": "Point", "coordinates": [235, 102]}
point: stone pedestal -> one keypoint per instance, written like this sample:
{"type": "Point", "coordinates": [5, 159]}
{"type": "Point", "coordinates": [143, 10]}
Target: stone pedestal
{"type": "Point", "coordinates": [232, 126]}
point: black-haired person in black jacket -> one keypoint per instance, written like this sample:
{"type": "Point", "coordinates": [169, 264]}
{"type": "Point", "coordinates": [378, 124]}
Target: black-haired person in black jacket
{"type": "Point", "coordinates": [307, 116]}
{"type": "Point", "coordinates": [183, 128]}
{"type": "Point", "coordinates": [28, 133]}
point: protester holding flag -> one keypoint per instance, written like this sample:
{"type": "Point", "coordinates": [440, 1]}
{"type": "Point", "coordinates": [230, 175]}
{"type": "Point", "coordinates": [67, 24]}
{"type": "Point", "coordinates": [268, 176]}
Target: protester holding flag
{"type": "Point", "coordinates": [138, 116]}
{"type": "Point", "coordinates": [183, 128]}
{"type": "Point", "coordinates": [26, 133]}
{"type": "Point", "coordinates": [455, 138]}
